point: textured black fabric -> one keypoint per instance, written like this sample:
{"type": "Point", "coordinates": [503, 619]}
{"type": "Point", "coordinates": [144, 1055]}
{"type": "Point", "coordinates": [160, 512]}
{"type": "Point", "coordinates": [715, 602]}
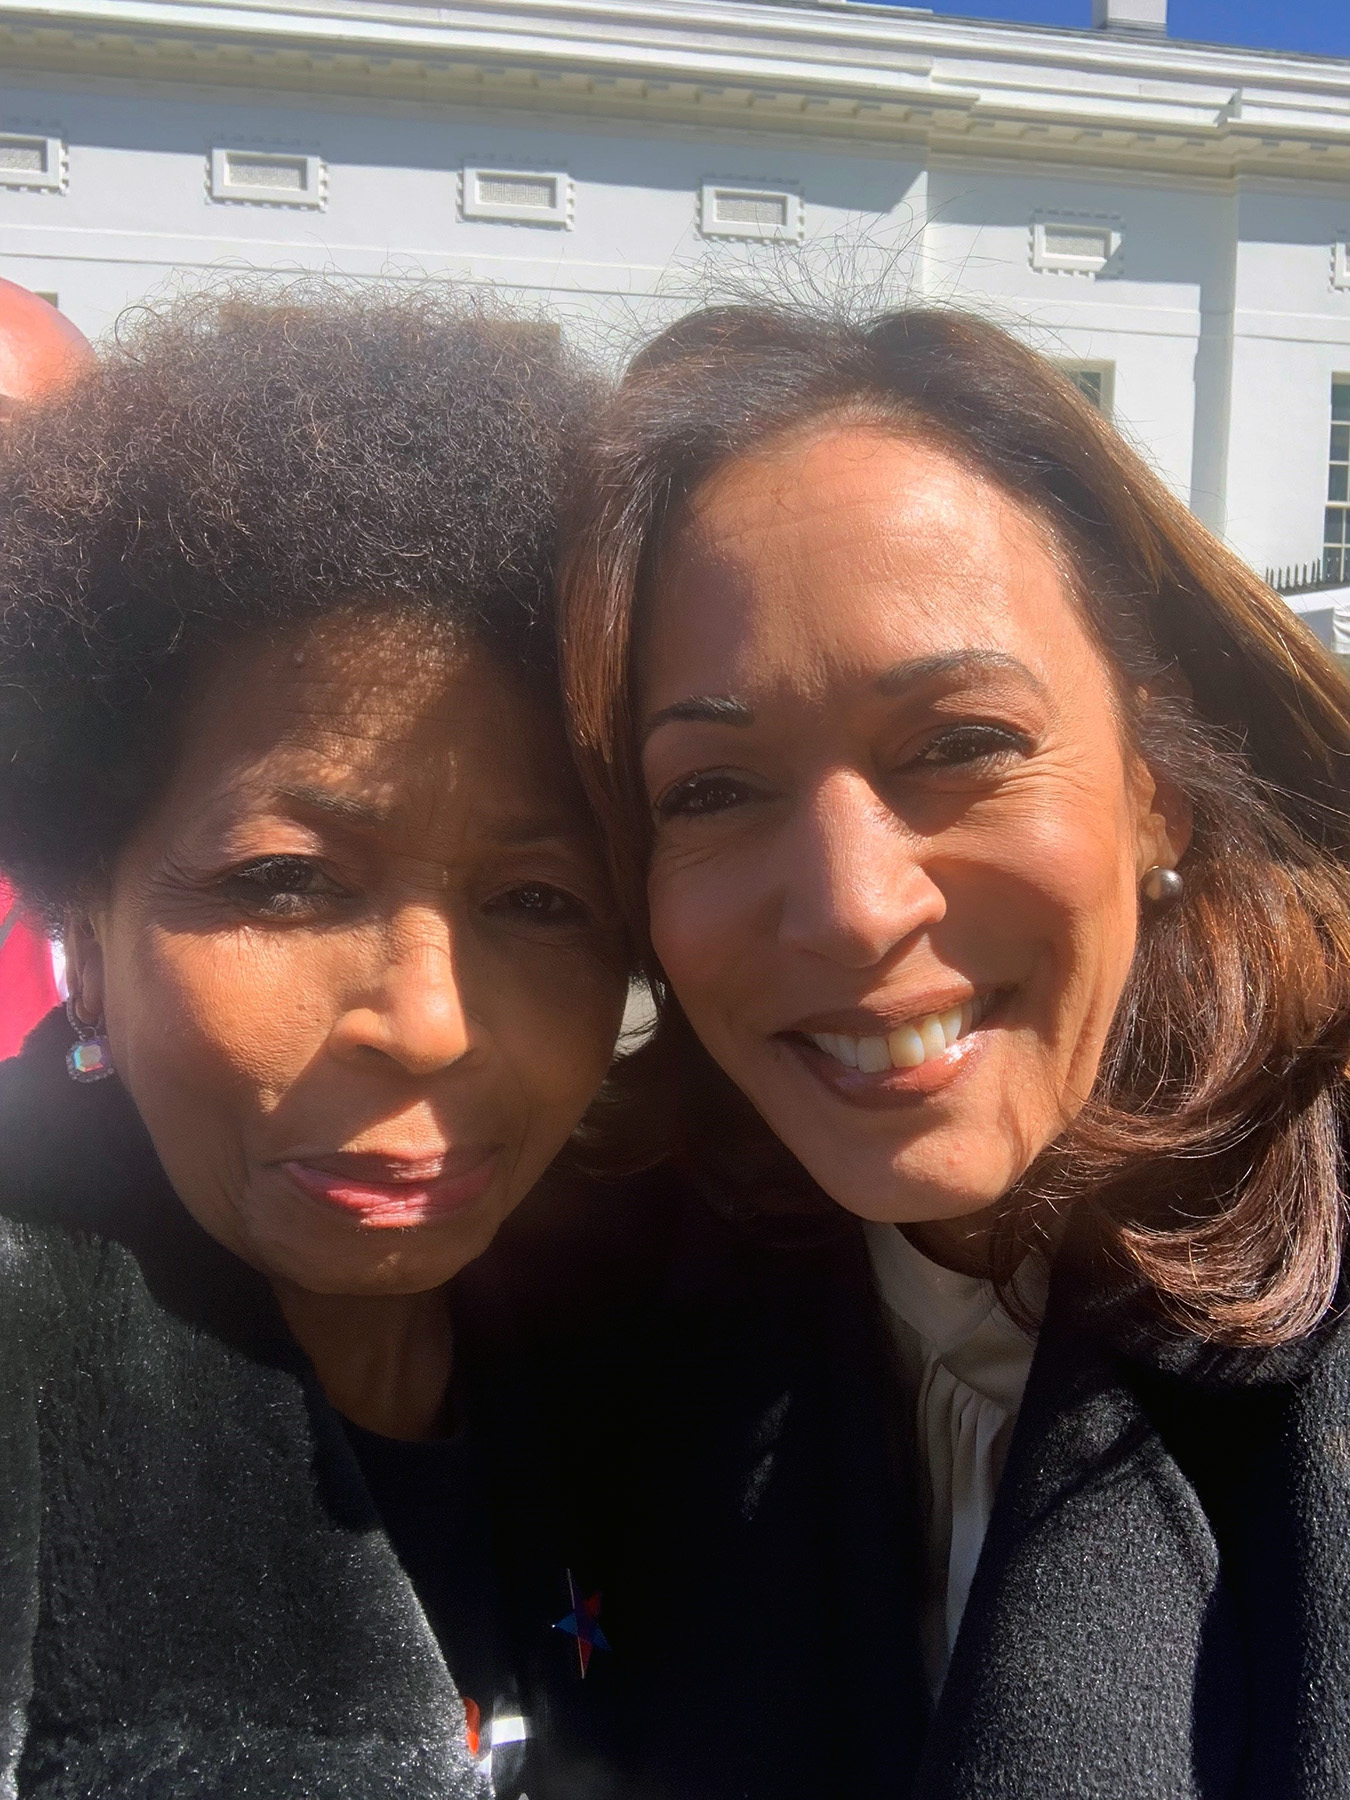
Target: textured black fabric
{"type": "Point", "coordinates": [434, 1501]}
{"type": "Point", "coordinates": [195, 1595]}
{"type": "Point", "coordinates": [1161, 1611]}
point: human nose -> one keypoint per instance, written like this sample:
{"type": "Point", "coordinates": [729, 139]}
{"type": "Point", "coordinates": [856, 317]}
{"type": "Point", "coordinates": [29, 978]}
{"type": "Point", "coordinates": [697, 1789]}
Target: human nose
{"type": "Point", "coordinates": [853, 886]}
{"type": "Point", "coordinates": [413, 1012]}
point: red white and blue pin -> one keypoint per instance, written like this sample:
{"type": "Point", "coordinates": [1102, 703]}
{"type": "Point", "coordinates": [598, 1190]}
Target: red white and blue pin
{"type": "Point", "coordinates": [583, 1624]}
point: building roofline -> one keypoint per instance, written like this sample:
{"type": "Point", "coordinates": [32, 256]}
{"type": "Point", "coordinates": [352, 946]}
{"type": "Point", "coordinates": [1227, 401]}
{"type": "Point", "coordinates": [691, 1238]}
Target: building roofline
{"type": "Point", "coordinates": [822, 68]}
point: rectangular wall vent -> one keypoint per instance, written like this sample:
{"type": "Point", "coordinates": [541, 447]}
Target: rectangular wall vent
{"type": "Point", "coordinates": [32, 162]}
{"type": "Point", "coordinates": [518, 196]}
{"type": "Point", "coordinates": [1076, 246]}
{"type": "Point", "coordinates": [267, 177]}
{"type": "Point", "coordinates": [728, 210]}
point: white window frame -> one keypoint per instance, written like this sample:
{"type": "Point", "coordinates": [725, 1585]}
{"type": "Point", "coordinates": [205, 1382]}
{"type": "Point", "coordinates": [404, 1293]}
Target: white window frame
{"type": "Point", "coordinates": [1098, 365]}
{"type": "Point", "coordinates": [503, 212]}
{"type": "Point", "coordinates": [747, 231]}
{"type": "Point", "coordinates": [314, 195]}
{"type": "Point", "coordinates": [1059, 262]}
{"type": "Point", "coordinates": [52, 178]}
{"type": "Point", "coordinates": [1340, 264]}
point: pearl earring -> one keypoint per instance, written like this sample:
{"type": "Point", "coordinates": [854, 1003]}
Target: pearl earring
{"type": "Point", "coordinates": [91, 1058]}
{"type": "Point", "coordinates": [1161, 887]}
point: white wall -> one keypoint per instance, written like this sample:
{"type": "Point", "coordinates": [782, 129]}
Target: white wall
{"type": "Point", "coordinates": [1219, 315]}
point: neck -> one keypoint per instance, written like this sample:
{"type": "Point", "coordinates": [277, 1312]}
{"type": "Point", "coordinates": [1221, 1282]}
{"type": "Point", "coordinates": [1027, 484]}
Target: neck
{"type": "Point", "coordinates": [382, 1359]}
{"type": "Point", "coordinates": [958, 1244]}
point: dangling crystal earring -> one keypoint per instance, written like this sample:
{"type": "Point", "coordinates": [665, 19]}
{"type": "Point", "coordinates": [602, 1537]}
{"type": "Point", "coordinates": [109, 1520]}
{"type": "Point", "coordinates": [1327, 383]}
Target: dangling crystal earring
{"type": "Point", "coordinates": [91, 1058]}
{"type": "Point", "coordinates": [1161, 887]}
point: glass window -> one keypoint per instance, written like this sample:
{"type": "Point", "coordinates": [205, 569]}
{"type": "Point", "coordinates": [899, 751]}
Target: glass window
{"type": "Point", "coordinates": [1096, 382]}
{"type": "Point", "coordinates": [1336, 535]}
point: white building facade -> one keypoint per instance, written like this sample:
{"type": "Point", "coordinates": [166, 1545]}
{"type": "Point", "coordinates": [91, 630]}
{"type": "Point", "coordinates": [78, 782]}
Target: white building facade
{"type": "Point", "coordinates": [1171, 220]}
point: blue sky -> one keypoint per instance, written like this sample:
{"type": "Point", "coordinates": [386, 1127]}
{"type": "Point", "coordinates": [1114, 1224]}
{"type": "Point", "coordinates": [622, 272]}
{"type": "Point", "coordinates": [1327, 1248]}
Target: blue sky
{"type": "Point", "coordinates": [1320, 27]}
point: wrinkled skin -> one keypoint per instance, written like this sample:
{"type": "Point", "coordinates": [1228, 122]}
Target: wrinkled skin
{"type": "Point", "coordinates": [365, 920]}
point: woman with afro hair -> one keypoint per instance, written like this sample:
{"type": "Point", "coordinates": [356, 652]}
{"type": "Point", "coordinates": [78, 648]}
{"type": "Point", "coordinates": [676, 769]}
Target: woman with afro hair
{"type": "Point", "coordinates": [280, 763]}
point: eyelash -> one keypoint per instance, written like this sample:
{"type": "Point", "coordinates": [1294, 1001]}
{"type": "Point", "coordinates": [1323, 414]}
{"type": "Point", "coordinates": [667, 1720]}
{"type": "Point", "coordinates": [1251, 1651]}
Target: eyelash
{"type": "Point", "coordinates": [573, 911]}
{"type": "Point", "coordinates": [995, 741]}
{"type": "Point", "coordinates": [979, 748]}
{"type": "Point", "coordinates": [279, 887]}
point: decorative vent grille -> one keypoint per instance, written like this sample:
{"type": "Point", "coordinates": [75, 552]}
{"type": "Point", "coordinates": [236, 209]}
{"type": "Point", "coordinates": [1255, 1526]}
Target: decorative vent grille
{"type": "Point", "coordinates": [1076, 246]}
{"type": "Point", "coordinates": [32, 162]}
{"type": "Point", "coordinates": [540, 193]}
{"type": "Point", "coordinates": [518, 196]}
{"type": "Point", "coordinates": [267, 177]}
{"type": "Point", "coordinates": [751, 209]}
{"type": "Point", "coordinates": [28, 154]}
{"type": "Point", "coordinates": [729, 210]}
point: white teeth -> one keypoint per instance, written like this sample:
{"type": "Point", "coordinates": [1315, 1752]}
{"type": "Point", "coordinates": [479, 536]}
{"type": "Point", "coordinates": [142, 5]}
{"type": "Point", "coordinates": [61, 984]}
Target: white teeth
{"type": "Point", "coordinates": [952, 1026]}
{"type": "Point", "coordinates": [908, 1045]}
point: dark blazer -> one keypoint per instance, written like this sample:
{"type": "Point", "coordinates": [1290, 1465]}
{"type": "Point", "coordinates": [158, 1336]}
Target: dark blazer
{"type": "Point", "coordinates": [1161, 1611]}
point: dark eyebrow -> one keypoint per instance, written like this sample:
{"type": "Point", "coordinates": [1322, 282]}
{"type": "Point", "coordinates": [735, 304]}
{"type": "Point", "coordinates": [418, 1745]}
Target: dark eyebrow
{"type": "Point", "coordinates": [520, 832]}
{"type": "Point", "coordinates": [340, 806]}
{"type": "Point", "coordinates": [920, 669]}
{"type": "Point", "coordinates": [531, 834]}
{"type": "Point", "coordinates": [701, 709]}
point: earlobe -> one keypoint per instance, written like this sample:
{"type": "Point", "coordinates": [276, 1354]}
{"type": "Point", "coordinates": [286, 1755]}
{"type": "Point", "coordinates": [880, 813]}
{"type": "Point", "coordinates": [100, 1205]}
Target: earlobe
{"type": "Point", "coordinates": [84, 968]}
{"type": "Point", "coordinates": [1166, 822]}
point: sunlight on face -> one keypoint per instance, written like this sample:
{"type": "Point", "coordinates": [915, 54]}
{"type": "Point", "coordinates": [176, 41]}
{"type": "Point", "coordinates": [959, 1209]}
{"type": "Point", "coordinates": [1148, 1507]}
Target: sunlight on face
{"type": "Point", "coordinates": [358, 964]}
{"type": "Point", "coordinates": [898, 835]}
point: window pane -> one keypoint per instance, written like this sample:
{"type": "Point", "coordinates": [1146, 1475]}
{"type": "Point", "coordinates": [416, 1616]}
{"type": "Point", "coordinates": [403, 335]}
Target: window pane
{"type": "Point", "coordinates": [1338, 487]}
{"type": "Point", "coordinates": [1333, 564]}
{"type": "Point", "coordinates": [1340, 399]}
{"type": "Point", "coordinates": [1340, 443]}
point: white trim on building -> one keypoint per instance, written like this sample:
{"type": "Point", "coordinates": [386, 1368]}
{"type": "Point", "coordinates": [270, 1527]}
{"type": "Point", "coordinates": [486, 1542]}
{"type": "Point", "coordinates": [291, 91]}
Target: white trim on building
{"type": "Point", "coordinates": [1171, 218]}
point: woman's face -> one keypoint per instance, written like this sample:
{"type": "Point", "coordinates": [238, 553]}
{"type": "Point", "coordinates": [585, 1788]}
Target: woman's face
{"type": "Point", "coordinates": [898, 835]}
{"type": "Point", "coordinates": [358, 966]}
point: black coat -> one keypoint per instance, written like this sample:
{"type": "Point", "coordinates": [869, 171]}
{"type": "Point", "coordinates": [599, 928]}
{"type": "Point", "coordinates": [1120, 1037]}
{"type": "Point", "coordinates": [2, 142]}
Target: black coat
{"type": "Point", "coordinates": [196, 1597]}
{"type": "Point", "coordinates": [1161, 1611]}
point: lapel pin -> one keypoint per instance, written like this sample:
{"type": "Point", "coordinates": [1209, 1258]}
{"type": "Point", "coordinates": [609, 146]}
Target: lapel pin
{"type": "Point", "coordinates": [583, 1624]}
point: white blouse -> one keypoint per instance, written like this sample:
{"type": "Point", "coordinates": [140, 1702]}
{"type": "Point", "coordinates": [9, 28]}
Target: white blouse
{"type": "Point", "coordinates": [967, 1363]}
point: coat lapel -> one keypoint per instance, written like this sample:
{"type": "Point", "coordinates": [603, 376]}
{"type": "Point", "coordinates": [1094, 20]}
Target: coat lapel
{"type": "Point", "coordinates": [1097, 1618]}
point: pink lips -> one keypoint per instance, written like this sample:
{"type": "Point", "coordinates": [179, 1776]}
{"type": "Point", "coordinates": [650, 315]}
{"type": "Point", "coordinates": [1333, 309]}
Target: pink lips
{"type": "Point", "coordinates": [395, 1192]}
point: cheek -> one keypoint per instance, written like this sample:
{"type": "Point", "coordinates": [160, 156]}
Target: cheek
{"type": "Point", "coordinates": [232, 1011]}
{"type": "Point", "coordinates": [701, 924]}
{"type": "Point", "coordinates": [1052, 886]}
{"type": "Point", "coordinates": [555, 1024]}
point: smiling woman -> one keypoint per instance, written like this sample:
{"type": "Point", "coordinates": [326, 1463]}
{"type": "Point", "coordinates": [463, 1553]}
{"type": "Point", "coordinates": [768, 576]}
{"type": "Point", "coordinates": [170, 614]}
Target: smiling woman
{"type": "Point", "coordinates": [987, 824]}
{"type": "Point", "coordinates": [280, 757]}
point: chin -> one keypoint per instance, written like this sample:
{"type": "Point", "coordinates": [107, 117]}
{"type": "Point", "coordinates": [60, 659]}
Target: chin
{"type": "Point", "coordinates": [891, 1194]}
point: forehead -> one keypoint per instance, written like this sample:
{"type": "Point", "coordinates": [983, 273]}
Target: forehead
{"type": "Point", "coordinates": [852, 547]}
{"type": "Point", "coordinates": [390, 711]}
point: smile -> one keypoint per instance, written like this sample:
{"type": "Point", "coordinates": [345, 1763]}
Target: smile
{"type": "Point", "coordinates": [908, 1045]}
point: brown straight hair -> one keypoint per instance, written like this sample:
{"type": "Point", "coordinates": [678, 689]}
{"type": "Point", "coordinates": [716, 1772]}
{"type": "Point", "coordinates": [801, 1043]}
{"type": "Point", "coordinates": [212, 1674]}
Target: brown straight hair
{"type": "Point", "coordinates": [1212, 1146]}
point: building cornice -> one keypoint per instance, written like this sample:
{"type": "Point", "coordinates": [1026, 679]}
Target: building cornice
{"type": "Point", "coordinates": [880, 74]}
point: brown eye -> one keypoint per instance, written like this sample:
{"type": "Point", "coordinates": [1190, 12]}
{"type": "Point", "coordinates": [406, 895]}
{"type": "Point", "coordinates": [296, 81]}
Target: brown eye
{"type": "Point", "coordinates": [972, 747]}
{"type": "Point", "coordinates": [282, 887]}
{"type": "Point", "coordinates": [539, 903]}
{"type": "Point", "coordinates": [699, 795]}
